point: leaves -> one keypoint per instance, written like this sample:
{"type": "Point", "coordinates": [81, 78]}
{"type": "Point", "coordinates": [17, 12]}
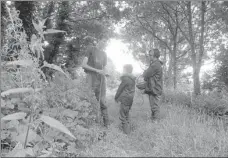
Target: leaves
{"type": "Point", "coordinates": [40, 26]}
{"type": "Point", "coordinates": [47, 153]}
{"type": "Point", "coordinates": [18, 151]}
{"type": "Point", "coordinates": [31, 136]}
{"type": "Point", "coordinates": [15, 116]}
{"type": "Point", "coordinates": [29, 151]}
{"type": "Point", "coordinates": [25, 63]}
{"type": "Point", "coordinates": [3, 103]}
{"type": "Point", "coordinates": [56, 124]}
{"type": "Point", "coordinates": [18, 91]}
{"type": "Point", "coordinates": [36, 46]}
{"type": "Point", "coordinates": [55, 67]}
{"type": "Point", "coordinates": [50, 31]}
{"type": "Point", "coordinates": [70, 113]}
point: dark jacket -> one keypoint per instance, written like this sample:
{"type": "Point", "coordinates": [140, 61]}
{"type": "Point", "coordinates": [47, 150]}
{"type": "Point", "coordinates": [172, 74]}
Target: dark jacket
{"type": "Point", "coordinates": [153, 78]}
{"type": "Point", "coordinates": [126, 90]}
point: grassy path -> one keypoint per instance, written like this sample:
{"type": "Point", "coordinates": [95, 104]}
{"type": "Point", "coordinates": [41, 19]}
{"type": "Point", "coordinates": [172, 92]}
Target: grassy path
{"type": "Point", "coordinates": [181, 132]}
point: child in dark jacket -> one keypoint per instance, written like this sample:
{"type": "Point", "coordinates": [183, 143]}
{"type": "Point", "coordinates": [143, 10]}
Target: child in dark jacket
{"type": "Point", "coordinates": [125, 95]}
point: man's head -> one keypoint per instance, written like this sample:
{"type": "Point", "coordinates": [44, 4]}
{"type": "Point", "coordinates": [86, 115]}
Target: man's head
{"type": "Point", "coordinates": [154, 54]}
{"type": "Point", "coordinates": [128, 68]}
{"type": "Point", "coordinates": [101, 44]}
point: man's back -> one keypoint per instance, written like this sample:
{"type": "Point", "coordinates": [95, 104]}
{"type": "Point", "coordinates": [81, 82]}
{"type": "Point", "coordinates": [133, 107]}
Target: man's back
{"type": "Point", "coordinates": [153, 75]}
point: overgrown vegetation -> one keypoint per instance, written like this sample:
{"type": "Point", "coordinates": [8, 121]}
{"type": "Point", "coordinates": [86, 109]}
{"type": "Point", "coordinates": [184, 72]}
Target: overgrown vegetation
{"type": "Point", "coordinates": [40, 118]}
{"type": "Point", "coordinates": [181, 132]}
{"type": "Point", "coordinates": [47, 109]}
{"type": "Point", "coordinates": [213, 103]}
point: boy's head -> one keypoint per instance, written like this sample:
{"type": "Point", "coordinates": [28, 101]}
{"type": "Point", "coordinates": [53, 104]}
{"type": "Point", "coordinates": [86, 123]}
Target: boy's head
{"type": "Point", "coordinates": [128, 68]}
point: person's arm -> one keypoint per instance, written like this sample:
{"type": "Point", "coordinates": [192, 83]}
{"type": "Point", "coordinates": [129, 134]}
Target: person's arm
{"type": "Point", "coordinates": [121, 88]}
{"type": "Point", "coordinates": [87, 67]}
{"type": "Point", "coordinates": [150, 72]}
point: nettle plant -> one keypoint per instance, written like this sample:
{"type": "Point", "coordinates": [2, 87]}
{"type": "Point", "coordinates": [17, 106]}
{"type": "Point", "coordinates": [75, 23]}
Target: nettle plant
{"type": "Point", "coordinates": [22, 84]}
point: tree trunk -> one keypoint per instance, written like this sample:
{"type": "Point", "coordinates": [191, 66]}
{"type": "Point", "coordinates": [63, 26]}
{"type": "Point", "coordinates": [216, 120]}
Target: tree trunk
{"type": "Point", "coordinates": [164, 67]}
{"type": "Point", "coordinates": [174, 64]}
{"type": "Point", "coordinates": [169, 73]}
{"type": "Point", "coordinates": [63, 14]}
{"type": "Point", "coordinates": [196, 69]}
{"type": "Point", "coordinates": [57, 39]}
{"type": "Point", "coordinates": [3, 21]}
{"type": "Point", "coordinates": [26, 9]}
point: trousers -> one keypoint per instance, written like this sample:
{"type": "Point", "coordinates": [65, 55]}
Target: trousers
{"type": "Point", "coordinates": [154, 105]}
{"type": "Point", "coordinates": [100, 91]}
{"type": "Point", "coordinates": [124, 117]}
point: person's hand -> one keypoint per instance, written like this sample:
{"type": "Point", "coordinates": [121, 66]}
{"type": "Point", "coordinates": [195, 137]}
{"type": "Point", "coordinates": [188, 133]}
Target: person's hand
{"type": "Point", "coordinates": [102, 72]}
{"type": "Point", "coordinates": [116, 101]}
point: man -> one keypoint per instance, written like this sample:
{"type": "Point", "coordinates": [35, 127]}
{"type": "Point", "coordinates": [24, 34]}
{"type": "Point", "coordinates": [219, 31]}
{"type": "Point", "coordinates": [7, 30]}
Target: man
{"type": "Point", "coordinates": [153, 78]}
{"type": "Point", "coordinates": [94, 67]}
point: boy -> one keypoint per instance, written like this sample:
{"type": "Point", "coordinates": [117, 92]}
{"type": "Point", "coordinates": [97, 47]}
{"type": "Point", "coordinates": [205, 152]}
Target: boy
{"type": "Point", "coordinates": [125, 95]}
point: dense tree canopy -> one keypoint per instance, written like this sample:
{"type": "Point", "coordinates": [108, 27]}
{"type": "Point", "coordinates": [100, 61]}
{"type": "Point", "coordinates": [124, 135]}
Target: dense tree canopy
{"type": "Point", "coordinates": [48, 108]}
{"type": "Point", "coordinates": [186, 33]}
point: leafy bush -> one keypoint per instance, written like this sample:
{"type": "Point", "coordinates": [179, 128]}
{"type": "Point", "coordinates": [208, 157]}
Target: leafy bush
{"type": "Point", "coordinates": [177, 97]}
{"type": "Point", "coordinates": [213, 103]}
{"type": "Point", "coordinates": [30, 106]}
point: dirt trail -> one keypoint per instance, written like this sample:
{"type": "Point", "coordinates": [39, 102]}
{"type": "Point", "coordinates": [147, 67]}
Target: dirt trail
{"type": "Point", "coordinates": [118, 144]}
{"type": "Point", "coordinates": [180, 132]}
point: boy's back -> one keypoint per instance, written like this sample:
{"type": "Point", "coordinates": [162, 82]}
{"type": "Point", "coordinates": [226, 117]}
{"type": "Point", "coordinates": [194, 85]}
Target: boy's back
{"type": "Point", "coordinates": [126, 90]}
{"type": "Point", "coordinates": [125, 95]}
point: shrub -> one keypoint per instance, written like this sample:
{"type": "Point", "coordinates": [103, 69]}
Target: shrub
{"type": "Point", "coordinates": [30, 105]}
{"type": "Point", "coordinates": [214, 103]}
{"type": "Point", "coordinates": [177, 97]}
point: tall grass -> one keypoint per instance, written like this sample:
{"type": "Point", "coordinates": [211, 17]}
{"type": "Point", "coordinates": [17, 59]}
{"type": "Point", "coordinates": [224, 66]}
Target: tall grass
{"type": "Point", "coordinates": [214, 103]}
{"type": "Point", "coordinates": [181, 132]}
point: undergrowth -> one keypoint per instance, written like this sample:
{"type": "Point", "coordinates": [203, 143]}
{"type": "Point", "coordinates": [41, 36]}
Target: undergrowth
{"type": "Point", "coordinates": [181, 132]}
{"type": "Point", "coordinates": [61, 117]}
{"type": "Point", "coordinates": [41, 118]}
{"type": "Point", "coordinates": [214, 103]}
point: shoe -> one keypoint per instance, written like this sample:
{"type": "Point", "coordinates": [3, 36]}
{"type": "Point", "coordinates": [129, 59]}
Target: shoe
{"type": "Point", "coordinates": [106, 122]}
{"type": "Point", "coordinates": [126, 128]}
{"type": "Point", "coordinates": [155, 120]}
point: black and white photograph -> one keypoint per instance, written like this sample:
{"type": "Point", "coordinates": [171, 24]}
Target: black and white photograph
{"type": "Point", "coordinates": [114, 78]}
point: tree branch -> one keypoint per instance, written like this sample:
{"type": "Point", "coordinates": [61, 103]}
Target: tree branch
{"type": "Point", "coordinates": [152, 32]}
{"type": "Point", "coordinates": [183, 54]}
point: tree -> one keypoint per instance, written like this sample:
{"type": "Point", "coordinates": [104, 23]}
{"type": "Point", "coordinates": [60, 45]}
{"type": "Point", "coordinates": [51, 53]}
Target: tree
{"type": "Point", "coordinates": [26, 9]}
{"type": "Point", "coordinates": [157, 22]}
{"type": "Point", "coordinates": [3, 21]}
{"type": "Point", "coordinates": [191, 37]}
{"type": "Point", "coordinates": [222, 69]}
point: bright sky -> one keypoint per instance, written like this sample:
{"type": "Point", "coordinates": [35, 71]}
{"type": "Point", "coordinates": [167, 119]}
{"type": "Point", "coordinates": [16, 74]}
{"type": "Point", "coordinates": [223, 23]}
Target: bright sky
{"type": "Point", "coordinates": [118, 52]}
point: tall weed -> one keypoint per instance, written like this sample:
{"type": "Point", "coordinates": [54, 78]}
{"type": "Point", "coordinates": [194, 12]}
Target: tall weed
{"type": "Point", "coordinates": [30, 105]}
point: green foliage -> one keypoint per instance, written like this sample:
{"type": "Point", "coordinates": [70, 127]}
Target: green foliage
{"type": "Point", "coordinates": [222, 70]}
{"type": "Point", "coordinates": [213, 103]}
{"type": "Point", "coordinates": [25, 105]}
{"type": "Point", "coordinates": [26, 10]}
